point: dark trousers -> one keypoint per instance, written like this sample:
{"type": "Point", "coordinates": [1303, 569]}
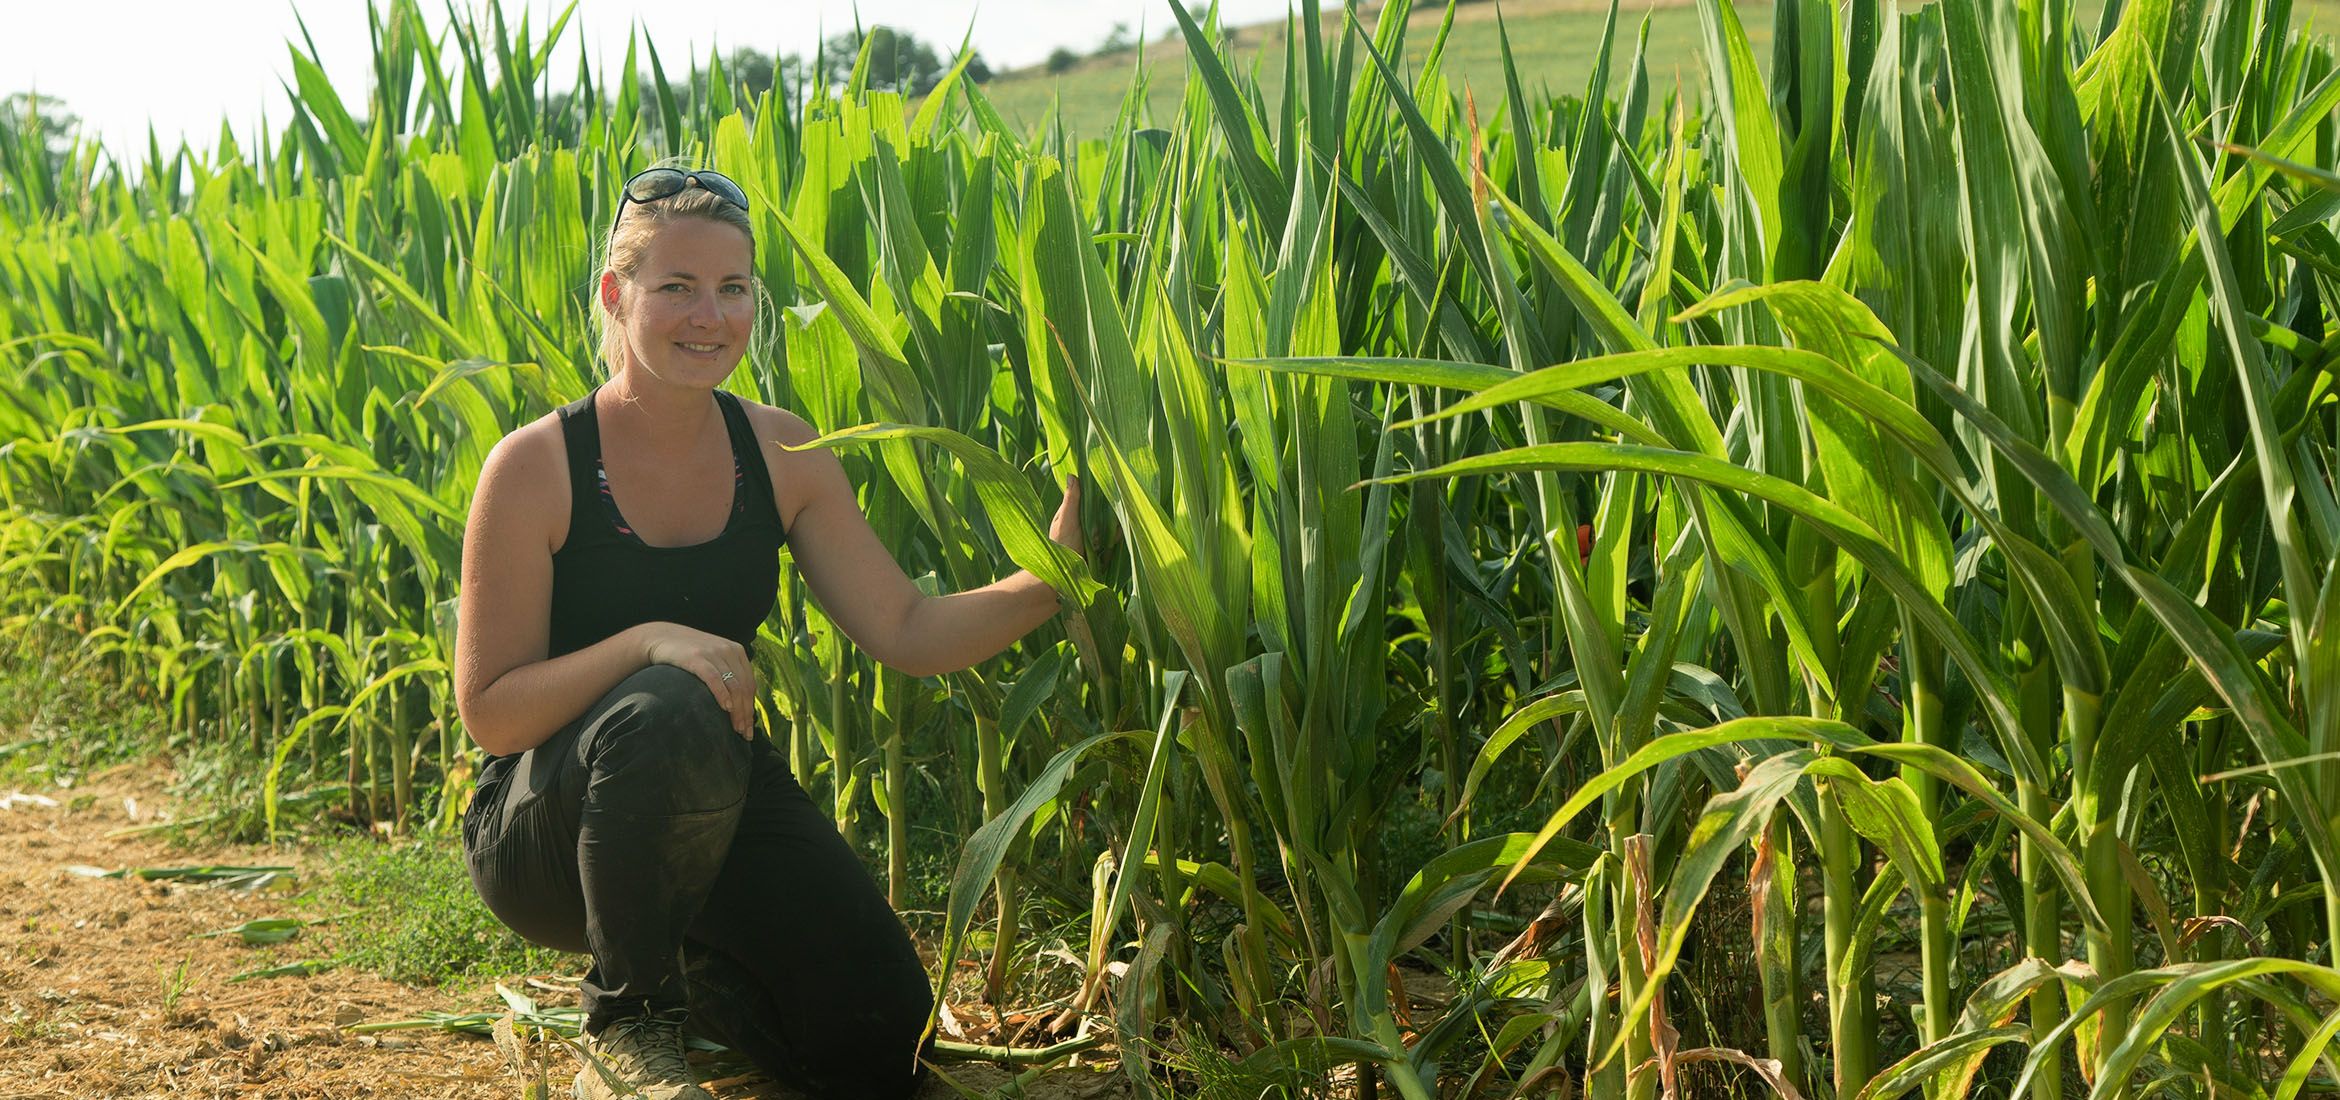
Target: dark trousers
{"type": "Point", "coordinates": [697, 874]}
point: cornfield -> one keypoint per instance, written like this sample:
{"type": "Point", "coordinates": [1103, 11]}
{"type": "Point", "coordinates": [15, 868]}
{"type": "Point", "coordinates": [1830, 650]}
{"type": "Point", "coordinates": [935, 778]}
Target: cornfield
{"type": "Point", "coordinates": [1819, 581]}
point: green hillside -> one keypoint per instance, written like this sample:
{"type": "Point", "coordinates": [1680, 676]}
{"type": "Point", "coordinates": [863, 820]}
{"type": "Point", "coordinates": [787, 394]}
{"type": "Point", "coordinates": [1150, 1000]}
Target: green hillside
{"type": "Point", "coordinates": [1553, 42]}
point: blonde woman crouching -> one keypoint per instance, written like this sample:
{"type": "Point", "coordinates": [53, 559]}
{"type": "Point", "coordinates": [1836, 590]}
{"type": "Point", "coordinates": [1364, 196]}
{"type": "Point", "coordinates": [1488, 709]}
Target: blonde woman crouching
{"type": "Point", "coordinates": [618, 560]}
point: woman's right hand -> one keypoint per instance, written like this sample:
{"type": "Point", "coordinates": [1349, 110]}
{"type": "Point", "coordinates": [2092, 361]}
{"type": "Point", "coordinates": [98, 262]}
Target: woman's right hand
{"type": "Point", "coordinates": [710, 658]}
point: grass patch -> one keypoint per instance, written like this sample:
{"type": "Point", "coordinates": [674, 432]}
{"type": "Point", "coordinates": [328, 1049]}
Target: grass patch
{"type": "Point", "coordinates": [403, 909]}
{"type": "Point", "coordinates": [61, 714]}
{"type": "Point", "coordinates": [1206, 1072]}
{"type": "Point", "coordinates": [406, 910]}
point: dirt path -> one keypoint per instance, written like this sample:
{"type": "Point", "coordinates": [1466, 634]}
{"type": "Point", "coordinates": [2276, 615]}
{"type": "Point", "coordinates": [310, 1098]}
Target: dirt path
{"type": "Point", "coordinates": [106, 991]}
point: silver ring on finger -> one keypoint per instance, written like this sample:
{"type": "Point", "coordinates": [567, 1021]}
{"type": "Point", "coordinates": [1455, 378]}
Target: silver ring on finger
{"type": "Point", "coordinates": [727, 677]}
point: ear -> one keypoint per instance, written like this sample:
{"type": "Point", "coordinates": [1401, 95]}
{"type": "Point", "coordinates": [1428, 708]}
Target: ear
{"type": "Point", "coordinates": [609, 290]}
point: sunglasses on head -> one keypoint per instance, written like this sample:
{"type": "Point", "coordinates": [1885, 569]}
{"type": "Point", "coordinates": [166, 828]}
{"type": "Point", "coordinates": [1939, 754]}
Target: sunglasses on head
{"type": "Point", "coordinates": [652, 184]}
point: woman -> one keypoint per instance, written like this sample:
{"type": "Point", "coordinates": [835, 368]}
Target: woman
{"type": "Point", "coordinates": [618, 559]}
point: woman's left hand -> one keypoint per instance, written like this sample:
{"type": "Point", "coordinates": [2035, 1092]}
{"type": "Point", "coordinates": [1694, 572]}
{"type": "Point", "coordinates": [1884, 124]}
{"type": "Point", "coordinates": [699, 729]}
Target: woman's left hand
{"type": "Point", "coordinates": [1065, 529]}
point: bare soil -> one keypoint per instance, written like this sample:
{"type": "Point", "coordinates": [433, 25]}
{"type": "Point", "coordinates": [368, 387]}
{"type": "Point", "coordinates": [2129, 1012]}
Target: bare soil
{"type": "Point", "coordinates": [107, 991]}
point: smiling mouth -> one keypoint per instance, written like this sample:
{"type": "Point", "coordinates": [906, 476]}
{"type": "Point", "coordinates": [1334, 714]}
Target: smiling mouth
{"type": "Point", "coordinates": [700, 348]}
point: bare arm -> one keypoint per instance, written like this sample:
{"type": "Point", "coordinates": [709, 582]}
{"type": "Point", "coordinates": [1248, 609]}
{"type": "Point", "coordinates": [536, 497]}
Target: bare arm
{"type": "Point", "coordinates": [510, 696]}
{"type": "Point", "coordinates": [865, 592]}
{"type": "Point", "coordinates": [951, 632]}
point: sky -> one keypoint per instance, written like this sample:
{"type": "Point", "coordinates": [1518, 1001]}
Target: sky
{"type": "Point", "coordinates": [182, 67]}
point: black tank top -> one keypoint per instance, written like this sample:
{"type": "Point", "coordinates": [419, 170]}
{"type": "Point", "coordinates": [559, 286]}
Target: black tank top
{"type": "Point", "coordinates": [605, 578]}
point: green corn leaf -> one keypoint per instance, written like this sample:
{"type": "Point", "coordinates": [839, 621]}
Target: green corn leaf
{"type": "Point", "coordinates": [1515, 726]}
{"type": "Point", "coordinates": [1015, 513]}
{"type": "Point", "coordinates": [980, 858]}
{"type": "Point", "coordinates": [1830, 521]}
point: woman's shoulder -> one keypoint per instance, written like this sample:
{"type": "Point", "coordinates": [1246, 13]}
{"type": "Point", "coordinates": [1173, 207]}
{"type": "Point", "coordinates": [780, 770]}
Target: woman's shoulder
{"type": "Point", "coordinates": [520, 504]}
{"type": "Point", "coordinates": [526, 477]}
{"type": "Point", "coordinates": [774, 422]}
{"type": "Point", "coordinates": [530, 449]}
{"type": "Point", "coordinates": [797, 476]}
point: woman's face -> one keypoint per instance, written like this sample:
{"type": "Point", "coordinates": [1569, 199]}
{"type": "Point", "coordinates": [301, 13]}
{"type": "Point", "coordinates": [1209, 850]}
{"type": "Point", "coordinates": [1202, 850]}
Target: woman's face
{"type": "Point", "coordinates": [689, 307]}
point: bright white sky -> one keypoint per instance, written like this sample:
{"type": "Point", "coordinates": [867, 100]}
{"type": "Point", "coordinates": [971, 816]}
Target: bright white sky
{"type": "Point", "coordinates": [182, 66]}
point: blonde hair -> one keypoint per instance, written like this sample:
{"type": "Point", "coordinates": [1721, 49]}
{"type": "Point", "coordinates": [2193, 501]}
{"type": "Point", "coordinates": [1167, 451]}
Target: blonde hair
{"type": "Point", "coordinates": [629, 240]}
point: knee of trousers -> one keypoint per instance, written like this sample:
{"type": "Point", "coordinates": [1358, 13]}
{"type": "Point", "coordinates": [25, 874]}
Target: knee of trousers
{"type": "Point", "coordinates": [666, 731]}
{"type": "Point", "coordinates": [870, 1045]}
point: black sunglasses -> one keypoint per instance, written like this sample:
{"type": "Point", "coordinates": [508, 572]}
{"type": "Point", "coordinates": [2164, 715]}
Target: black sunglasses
{"type": "Point", "coordinates": [652, 184]}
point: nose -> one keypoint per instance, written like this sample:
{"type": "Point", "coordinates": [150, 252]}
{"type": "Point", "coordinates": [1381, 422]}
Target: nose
{"type": "Point", "coordinates": [706, 311]}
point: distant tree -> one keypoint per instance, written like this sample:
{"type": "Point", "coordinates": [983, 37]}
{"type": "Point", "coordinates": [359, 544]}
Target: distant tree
{"type": "Point", "coordinates": [45, 114]}
{"type": "Point", "coordinates": [1118, 39]}
{"type": "Point", "coordinates": [793, 71]}
{"type": "Point", "coordinates": [898, 61]}
{"type": "Point", "coordinates": [36, 135]}
{"type": "Point", "coordinates": [1061, 59]}
{"type": "Point", "coordinates": [754, 72]}
{"type": "Point", "coordinates": [751, 69]}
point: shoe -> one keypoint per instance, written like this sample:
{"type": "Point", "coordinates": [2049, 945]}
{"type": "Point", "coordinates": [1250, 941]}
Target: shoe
{"type": "Point", "coordinates": [638, 1057]}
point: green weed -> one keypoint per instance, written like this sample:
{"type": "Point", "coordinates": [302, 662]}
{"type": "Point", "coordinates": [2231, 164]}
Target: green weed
{"type": "Point", "coordinates": [174, 985]}
{"type": "Point", "coordinates": [408, 912]}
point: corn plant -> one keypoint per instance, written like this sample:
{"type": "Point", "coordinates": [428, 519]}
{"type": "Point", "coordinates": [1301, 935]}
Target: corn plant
{"type": "Point", "coordinates": [1860, 524]}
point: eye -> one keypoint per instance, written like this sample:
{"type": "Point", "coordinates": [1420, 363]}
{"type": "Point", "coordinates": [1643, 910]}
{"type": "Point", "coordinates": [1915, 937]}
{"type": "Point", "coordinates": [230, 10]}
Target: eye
{"type": "Point", "coordinates": [675, 286]}
{"type": "Point", "coordinates": [736, 290]}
